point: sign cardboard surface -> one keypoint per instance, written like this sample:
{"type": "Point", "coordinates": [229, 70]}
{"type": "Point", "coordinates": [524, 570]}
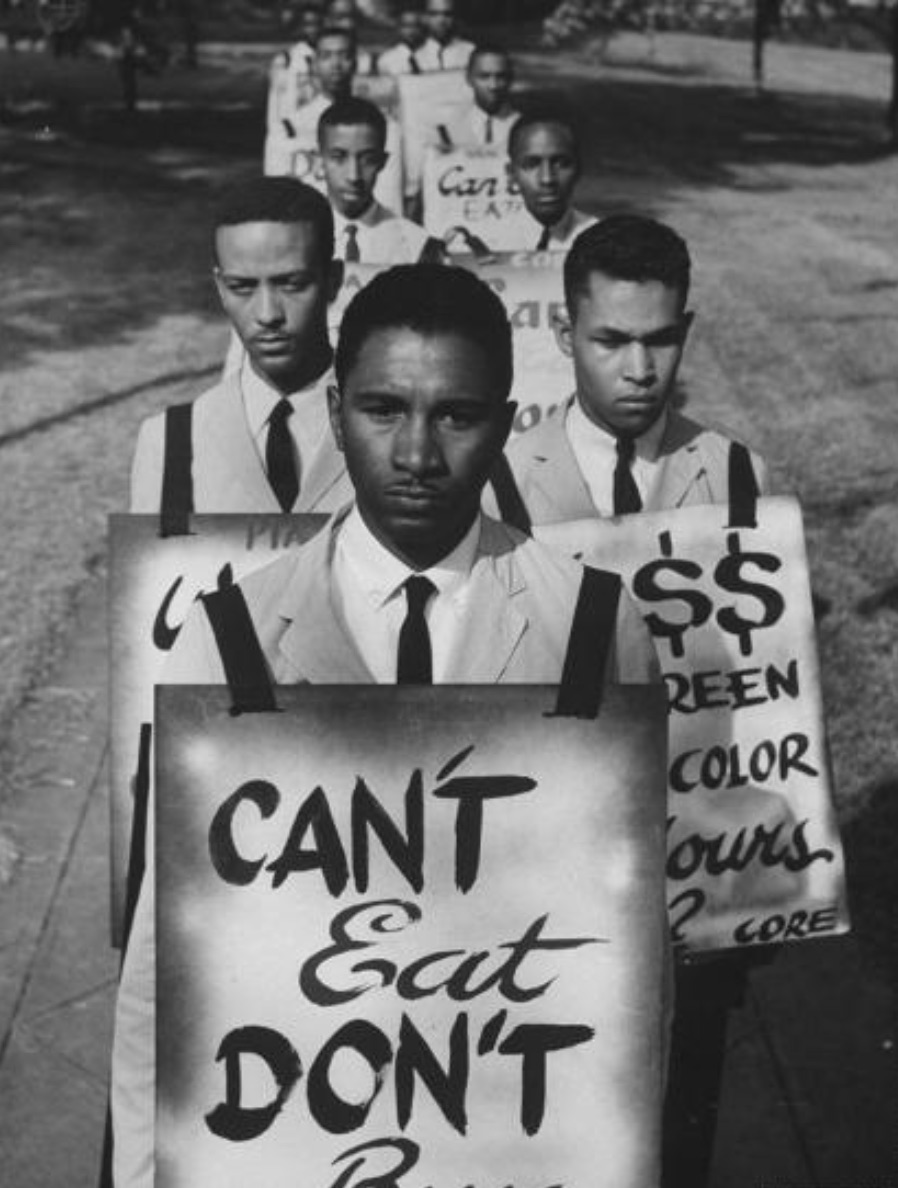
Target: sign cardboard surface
{"type": "Point", "coordinates": [152, 583]}
{"type": "Point", "coordinates": [754, 854]}
{"type": "Point", "coordinates": [417, 930]}
{"type": "Point", "coordinates": [473, 189]}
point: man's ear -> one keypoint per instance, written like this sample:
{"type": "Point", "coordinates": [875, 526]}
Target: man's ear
{"type": "Point", "coordinates": [219, 283]}
{"type": "Point", "coordinates": [334, 280]}
{"type": "Point", "coordinates": [384, 157]}
{"type": "Point", "coordinates": [688, 319]}
{"type": "Point", "coordinates": [334, 403]}
{"type": "Point", "coordinates": [563, 329]}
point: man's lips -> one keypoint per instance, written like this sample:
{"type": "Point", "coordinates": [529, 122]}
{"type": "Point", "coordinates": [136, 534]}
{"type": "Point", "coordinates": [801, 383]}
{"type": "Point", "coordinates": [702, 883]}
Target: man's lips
{"type": "Point", "coordinates": [415, 497]}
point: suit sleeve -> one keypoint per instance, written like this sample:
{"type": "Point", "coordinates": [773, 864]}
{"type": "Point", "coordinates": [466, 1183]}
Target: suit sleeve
{"type": "Point", "coordinates": [146, 468]}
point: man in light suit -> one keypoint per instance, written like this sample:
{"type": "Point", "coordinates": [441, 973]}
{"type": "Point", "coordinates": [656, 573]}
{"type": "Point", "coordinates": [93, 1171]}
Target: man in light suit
{"type": "Point", "coordinates": [443, 49]}
{"type": "Point", "coordinates": [259, 440]}
{"type": "Point", "coordinates": [488, 119]}
{"type": "Point", "coordinates": [402, 58]}
{"type": "Point", "coordinates": [411, 584]}
{"type": "Point", "coordinates": [352, 140]}
{"type": "Point", "coordinates": [617, 445]}
{"type": "Point", "coordinates": [544, 161]}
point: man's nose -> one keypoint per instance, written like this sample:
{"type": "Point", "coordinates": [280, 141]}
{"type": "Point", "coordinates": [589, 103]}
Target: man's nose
{"type": "Point", "coordinates": [269, 310]}
{"type": "Point", "coordinates": [353, 169]}
{"type": "Point", "coordinates": [417, 450]}
{"type": "Point", "coordinates": [640, 364]}
{"type": "Point", "coordinates": [546, 174]}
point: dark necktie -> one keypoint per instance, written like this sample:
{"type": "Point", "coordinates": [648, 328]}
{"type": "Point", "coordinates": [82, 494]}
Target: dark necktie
{"type": "Point", "coordinates": [413, 64]}
{"type": "Point", "coordinates": [544, 240]}
{"type": "Point", "coordinates": [352, 255]}
{"type": "Point", "coordinates": [414, 665]}
{"type": "Point", "coordinates": [440, 58]}
{"type": "Point", "coordinates": [280, 456]}
{"type": "Point", "coordinates": [626, 494]}
{"type": "Point", "coordinates": [488, 133]}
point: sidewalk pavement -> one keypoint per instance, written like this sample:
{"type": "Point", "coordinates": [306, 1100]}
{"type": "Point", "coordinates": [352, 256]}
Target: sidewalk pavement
{"type": "Point", "coordinates": [810, 1094]}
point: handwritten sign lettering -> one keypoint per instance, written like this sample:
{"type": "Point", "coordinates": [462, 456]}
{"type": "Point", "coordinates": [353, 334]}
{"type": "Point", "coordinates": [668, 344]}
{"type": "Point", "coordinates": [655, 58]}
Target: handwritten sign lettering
{"type": "Point", "coordinates": [753, 849]}
{"type": "Point", "coordinates": [153, 582]}
{"type": "Point", "coordinates": [473, 189]}
{"type": "Point", "coordinates": [370, 966]}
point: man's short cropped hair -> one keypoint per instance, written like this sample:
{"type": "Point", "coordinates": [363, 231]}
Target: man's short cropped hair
{"type": "Point", "coordinates": [538, 118]}
{"type": "Point", "coordinates": [429, 299]}
{"type": "Point", "coordinates": [278, 200]}
{"type": "Point", "coordinates": [489, 49]}
{"type": "Point", "coordinates": [627, 247]}
{"type": "Point", "coordinates": [352, 111]}
{"type": "Point", "coordinates": [338, 31]}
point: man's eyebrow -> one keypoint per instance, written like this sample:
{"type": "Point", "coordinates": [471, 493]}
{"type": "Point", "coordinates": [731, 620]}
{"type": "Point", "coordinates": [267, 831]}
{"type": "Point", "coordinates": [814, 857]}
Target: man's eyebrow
{"type": "Point", "coordinates": [619, 332]}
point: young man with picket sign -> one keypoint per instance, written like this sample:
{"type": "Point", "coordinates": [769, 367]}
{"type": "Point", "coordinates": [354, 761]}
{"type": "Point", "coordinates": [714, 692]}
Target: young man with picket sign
{"type": "Point", "coordinates": [411, 584]}
{"type": "Point", "coordinates": [619, 447]}
{"type": "Point", "coordinates": [544, 162]}
{"type": "Point", "coordinates": [352, 139]}
{"type": "Point", "coordinates": [259, 440]}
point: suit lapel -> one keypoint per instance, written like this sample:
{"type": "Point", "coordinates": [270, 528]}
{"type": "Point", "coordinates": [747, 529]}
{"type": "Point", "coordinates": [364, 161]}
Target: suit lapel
{"type": "Point", "coordinates": [325, 469]}
{"type": "Point", "coordinates": [228, 454]}
{"type": "Point", "coordinates": [682, 465]}
{"type": "Point", "coordinates": [494, 624]}
{"type": "Point", "coordinates": [315, 646]}
{"type": "Point", "coordinates": [558, 476]}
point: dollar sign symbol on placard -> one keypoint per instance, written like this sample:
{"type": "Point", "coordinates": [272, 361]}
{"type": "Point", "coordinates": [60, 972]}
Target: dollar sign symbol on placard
{"type": "Point", "coordinates": [729, 576]}
{"type": "Point", "coordinates": [645, 588]}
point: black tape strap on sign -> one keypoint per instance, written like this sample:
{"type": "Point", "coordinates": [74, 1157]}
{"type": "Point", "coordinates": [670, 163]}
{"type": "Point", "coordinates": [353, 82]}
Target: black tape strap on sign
{"type": "Point", "coordinates": [246, 672]}
{"type": "Point", "coordinates": [508, 498]}
{"type": "Point", "coordinates": [589, 645]}
{"type": "Point", "coordinates": [743, 485]}
{"type": "Point", "coordinates": [139, 813]}
{"type": "Point", "coordinates": [177, 471]}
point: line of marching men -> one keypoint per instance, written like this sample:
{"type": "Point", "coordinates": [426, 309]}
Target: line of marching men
{"type": "Point", "coordinates": [400, 431]}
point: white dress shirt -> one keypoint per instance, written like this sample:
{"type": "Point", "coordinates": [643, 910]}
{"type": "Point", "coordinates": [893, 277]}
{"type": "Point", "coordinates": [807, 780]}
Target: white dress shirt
{"type": "Point", "coordinates": [469, 129]}
{"type": "Point", "coordinates": [563, 233]}
{"type": "Point", "coordinates": [452, 56]}
{"type": "Point", "coordinates": [398, 60]}
{"type": "Point", "coordinates": [309, 422]}
{"type": "Point", "coordinates": [382, 236]}
{"type": "Point", "coordinates": [595, 450]}
{"type": "Point", "coordinates": [369, 596]}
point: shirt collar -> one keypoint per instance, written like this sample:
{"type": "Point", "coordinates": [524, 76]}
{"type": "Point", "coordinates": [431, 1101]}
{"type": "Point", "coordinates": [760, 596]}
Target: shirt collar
{"type": "Point", "coordinates": [648, 445]}
{"type": "Point", "coordinates": [260, 398]}
{"type": "Point", "coordinates": [380, 574]}
{"type": "Point", "coordinates": [369, 217]}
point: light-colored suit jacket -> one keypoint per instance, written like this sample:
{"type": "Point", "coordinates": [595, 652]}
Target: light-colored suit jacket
{"type": "Point", "coordinates": [228, 475]}
{"type": "Point", "coordinates": [694, 469]}
{"type": "Point", "coordinates": [522, 603]}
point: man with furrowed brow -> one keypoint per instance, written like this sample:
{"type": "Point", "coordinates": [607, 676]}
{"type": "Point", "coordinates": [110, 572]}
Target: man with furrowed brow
{"type": "Point", "coordinates": [411, 583]}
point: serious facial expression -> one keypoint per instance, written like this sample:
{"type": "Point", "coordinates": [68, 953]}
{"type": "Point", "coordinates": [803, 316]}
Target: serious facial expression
{"type": "Point", "coordinates": [411, 29]}
{"type": "Point", "coordinates": [352, 156]}
{"type": "Point", "coordinates": [420, 425]}
{"type": "Point", "coordinates": [546, 169]}
{"type": "Point", "coordinates": [334, 64]}
{"type": "Point", "coordinates": [342, 13]}
{"type": "Point", "coordinates": [626, 341]}
{"type": "Point", "coordinates": [310, 26]}
{"type": "Point", "coordinates": [275, 289]}
{"type": "Point", "coordinates": [490, 79]}
{"type": "Point", "coordinates": [441, 19]}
